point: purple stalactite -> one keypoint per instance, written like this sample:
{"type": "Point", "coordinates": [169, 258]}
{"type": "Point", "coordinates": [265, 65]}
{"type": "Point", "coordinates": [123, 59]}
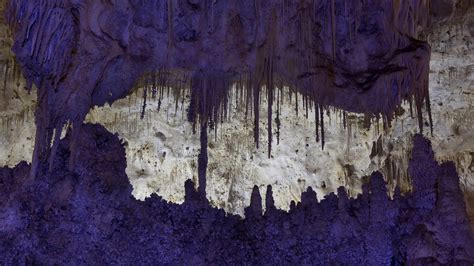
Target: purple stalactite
{"type": "Point", "coordinates": [269, 116]}
{"type": "Point", "coordinates": [321, 112]}
{"type": "Point", "coordinates": [256, 109]}
{"type": "Point", "coordinates": [145, 92]}
{"type": "Point", "coordinates": [202, 161]}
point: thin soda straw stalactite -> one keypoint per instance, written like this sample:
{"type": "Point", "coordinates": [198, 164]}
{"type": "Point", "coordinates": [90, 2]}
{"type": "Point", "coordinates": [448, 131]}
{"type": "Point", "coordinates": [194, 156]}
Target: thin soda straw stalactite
{"type": "Point", "coordinates": [430, 117]}
{"type": "Point", "coordinates": [316, 118]}
{"type": "Point", "coordinates": [145, 92]}
{"type": "Point", "coordinates": [306, 106]}
{"type": "Point", "coordinates": [18, 76]}
{"type": "Point", "coordinates": [248, 95]}
{"type": "Point", "coordinates": [13, 72]}
{"type": "Point", "coordinates": [344, 119]}
{"type": "Point", "coordinates": [411, 108]}
{"type": "Point", "coordinates": [177, 96]}
{"type": "Point", "coordinates": [5, 78]}
{"type": "Point", "coordinates": [419, 111]}
{"type": "Point", "coordinates": [321, 109]}
{"type": "Point", "coordinates": [270, 84]}
{"type": "Point", "coordinates": [203, 157]}
{"type": "Point", "coordinates": [270, 106]}
{"type": "Point", "coordinates": [153, 89]}
{"type": "Point", "coordinates": [277, 119]}
{"type": "Point", "coordinates": [238, 93]}
{"type": "Point", "coordinates": [256, 109]}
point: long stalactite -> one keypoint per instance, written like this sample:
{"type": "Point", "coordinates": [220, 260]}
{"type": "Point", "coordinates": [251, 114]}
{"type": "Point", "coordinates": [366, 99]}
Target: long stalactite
{"type": "Point", "coordinates": [81, 54]}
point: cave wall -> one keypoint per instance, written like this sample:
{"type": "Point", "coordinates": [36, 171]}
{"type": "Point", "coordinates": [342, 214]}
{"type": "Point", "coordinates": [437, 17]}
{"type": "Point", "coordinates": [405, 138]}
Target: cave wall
{"type": "Point", "coordinates": [343, 162]}
{"type": "Point", "coordinates": [90, 217]}
{"type": "Point", "coordinates": [78, 59]}
{"type": "Point", "coordinates": [79, 206]}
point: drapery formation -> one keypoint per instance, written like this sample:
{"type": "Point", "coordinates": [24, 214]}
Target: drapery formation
{"type": "Point", "coordinates": [358, 56]}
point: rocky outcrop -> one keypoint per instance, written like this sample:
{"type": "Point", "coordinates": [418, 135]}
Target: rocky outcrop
{"type": "Point", "coordinates": [82, 218]}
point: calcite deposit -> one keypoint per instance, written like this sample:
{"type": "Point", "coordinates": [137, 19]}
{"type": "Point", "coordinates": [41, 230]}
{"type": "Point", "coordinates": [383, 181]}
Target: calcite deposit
{"type": "Point", "coordinates": [85, 53]}
{"type": "Point", "coordinates": [268, 107]}
{"type": "Point", "coordinates": [90, 217]}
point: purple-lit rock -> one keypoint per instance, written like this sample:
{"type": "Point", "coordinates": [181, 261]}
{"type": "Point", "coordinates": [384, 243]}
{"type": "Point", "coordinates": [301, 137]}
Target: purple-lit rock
{"type": "Point", "coordinates": [66, 218]}
{"type": "Point", "coordinates": [73, 205]}
{"type": "Point", "coordinates": [359, 56]}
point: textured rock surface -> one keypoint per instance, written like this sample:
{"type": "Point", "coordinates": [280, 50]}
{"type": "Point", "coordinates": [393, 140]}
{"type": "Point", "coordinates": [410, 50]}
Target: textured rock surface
{"type": "Point", "coordinates": [350, 154]}
{"type": "Point", "coordinates": [232, 173]}
{"type": "Point", "coordinates": [83, 218]}
{"type": "Point", "coordinates": [358, 56]}
{"type": "Point", "coordinates": [162, 152]}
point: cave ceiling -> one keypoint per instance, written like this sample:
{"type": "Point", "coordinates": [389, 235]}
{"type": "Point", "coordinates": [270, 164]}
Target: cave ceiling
{"type": "Point", "coordinates": [357, 56]}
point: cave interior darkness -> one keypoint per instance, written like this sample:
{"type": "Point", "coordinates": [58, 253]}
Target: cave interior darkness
{"type": "Point", "coordinates": [366, 62]}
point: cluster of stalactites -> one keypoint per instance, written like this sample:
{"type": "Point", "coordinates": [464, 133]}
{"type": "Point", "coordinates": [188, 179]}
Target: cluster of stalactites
{"type": "Point", "coordinates": [11, 73]}
{"type": "Point", "coordinates": [46, 40]}
{"type": "Point", "coordinates": [157, 85]}
{"type": "Point", "coordinates": [210, 98]}
{"type": "Point", "coordinates": [46, 45]}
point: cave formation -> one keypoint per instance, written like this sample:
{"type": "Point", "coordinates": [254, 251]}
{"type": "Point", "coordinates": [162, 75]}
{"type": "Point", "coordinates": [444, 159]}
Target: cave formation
{"type": "Point", "coordinates": [74, 203]}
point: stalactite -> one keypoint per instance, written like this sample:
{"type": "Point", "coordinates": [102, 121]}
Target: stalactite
{"type": "Point", "coordinates": [256, 107]}
{"type": "Point", "coordinates": [316, 118]}
{"type": "Point", "coordinates": [296, 103]}
{"type": "Point", "coordinates": [344, 117]}
{"type": "Point", "coordinates": [5, 78]}
{"type": "Point", "coordinates": [158, 108]}
{"type": "Point", "coordinates": [419, 114]}
{"type": "Point", "coordinates": [349, 136]}
{"type": "Point", "coordinates": [321, 109]}
{"type": "Point", "coordinates": [153, 89]}
{"type": "Point", "coordinates": [18, 78]}
{"type": "Point", "coordinates": [248, 95]}
{"type": "Point", "coordinates": [203, 157]}
{"type": "Point", "coordinates": [270, 105]}
{"type": "Point", "coordinates": [282, 95]}
{"type": "Point", "coordinates": [306, 106]}
{"type": "Point", "coordinates": [249, 86]}
{"type": "Point", "coordinates": [177, 97]}
{"type": "Point", "coordinates": [428, 110]}
{"type": "Point", "coordinates": [277, 119]}
{"type": "Point", "coordinates": [142, 114]}
{"type": "Point", "coordinates": [238, 91]}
